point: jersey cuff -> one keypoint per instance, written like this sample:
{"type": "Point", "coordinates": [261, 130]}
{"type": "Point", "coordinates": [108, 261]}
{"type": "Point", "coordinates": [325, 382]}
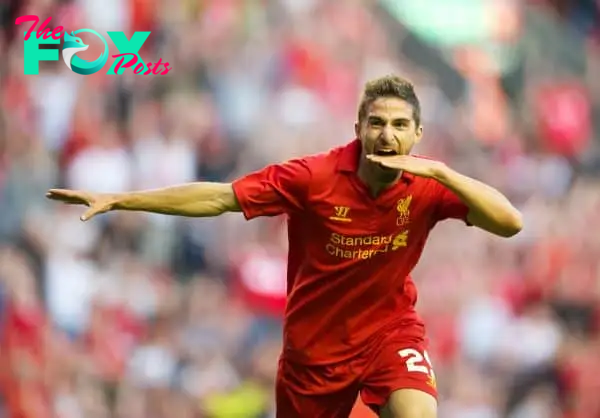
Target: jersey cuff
{"type": "Point", "coordinates": [240, 195]}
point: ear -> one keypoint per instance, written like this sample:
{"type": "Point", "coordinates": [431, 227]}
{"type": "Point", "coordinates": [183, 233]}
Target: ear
{"type": "Point", "coordinates": [419, 134]}
{"type": "Point", "coordinates": [357, 129]}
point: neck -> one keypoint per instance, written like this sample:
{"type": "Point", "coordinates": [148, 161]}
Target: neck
{"type": "Point", "coordinates": [375, 178]}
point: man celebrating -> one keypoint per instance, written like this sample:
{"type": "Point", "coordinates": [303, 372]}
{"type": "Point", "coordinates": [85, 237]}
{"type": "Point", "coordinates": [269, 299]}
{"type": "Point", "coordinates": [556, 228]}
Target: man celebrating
{"type": "Point", "coordinates": [358, 219]}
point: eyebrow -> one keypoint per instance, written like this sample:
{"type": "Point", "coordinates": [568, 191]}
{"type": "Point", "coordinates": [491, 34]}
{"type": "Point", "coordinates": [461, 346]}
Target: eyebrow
{"type": "Point", "coordinates": [396, 120]}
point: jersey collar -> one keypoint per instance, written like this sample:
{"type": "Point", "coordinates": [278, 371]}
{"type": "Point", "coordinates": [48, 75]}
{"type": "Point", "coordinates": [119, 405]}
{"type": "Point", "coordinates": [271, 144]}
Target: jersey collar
{"type": "Point", "coordinates": [350, 155]}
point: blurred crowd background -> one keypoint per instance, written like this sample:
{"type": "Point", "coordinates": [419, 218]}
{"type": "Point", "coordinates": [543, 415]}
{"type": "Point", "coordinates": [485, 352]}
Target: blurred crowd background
{"type": "Point", "coordinates": [142, 316]}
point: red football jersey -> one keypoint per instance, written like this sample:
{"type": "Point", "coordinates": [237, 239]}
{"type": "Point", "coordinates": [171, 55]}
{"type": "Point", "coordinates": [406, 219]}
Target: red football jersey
{"type": "Point", "coordinates": [350, 255]}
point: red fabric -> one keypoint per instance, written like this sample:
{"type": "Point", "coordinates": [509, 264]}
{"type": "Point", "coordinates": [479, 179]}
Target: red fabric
{"type": "Point", "coordinates": [564, 117]}
{"type": "Point", "coordinates": [23, 361]}
{"type": "Point", "coordinates": [400, 361]}
{"type": "Point", "coordinates": [445, 345]}
{"type": "Point", "coordinates": [143, 15]}
{"type": "Point", "coordinates": [109, 340]}
{"type": "Point", "coordinates": [310, 66]}
{"type": "Point", "coordinates": [581, 378]}
{"type": "Point", "coordinates": [261, 280]}
{"type": "Point", "coordinates": [350, 255]}
{"type": "Point", "coordinates": [306, 64]}
{"type": "Point", "coordinates": [361, 410]}
{"type": "Point", "coordinates": [72, 147]}
{"type": "Point", "coordinates": [339, 91]}
{"type": "Point", "coordinates": [291, 404]}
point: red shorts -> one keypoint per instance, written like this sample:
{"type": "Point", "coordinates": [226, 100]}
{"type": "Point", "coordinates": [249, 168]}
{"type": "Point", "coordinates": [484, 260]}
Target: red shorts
{"type": "Point", "coordinates": [330, 391]}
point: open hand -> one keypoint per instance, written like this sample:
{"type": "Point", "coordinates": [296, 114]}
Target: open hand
{"type": "Point", "coordinates": [97, 202]}
{"type": "Point", "coordinates": [421, 167]}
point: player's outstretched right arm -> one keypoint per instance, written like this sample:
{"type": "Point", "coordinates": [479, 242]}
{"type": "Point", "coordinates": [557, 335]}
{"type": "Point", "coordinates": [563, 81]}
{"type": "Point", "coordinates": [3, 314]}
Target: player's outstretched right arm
{"type": "Point", "coordinates": [201, 199]}
{"type": "Point", "coordinates": [274, 190]}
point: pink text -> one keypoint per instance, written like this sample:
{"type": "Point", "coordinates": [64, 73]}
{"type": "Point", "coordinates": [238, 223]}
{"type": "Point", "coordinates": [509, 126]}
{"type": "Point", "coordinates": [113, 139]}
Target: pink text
{"type": "Point", "coordinates": [43, 31]}
{"type": "Point", "coordinates": [139, 67]}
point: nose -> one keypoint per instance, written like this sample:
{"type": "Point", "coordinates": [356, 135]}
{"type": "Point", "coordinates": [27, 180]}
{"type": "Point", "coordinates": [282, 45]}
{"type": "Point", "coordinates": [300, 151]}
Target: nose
{"type": "Point", "coordinates": [387, 135]}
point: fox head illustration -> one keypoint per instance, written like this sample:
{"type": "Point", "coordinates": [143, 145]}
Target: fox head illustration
{"type": "Point", "coordinates": [72, 46]}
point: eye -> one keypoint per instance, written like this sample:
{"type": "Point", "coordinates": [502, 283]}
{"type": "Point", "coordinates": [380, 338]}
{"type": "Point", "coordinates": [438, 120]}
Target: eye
{"type": "Point", "coordinates": [401, 124]}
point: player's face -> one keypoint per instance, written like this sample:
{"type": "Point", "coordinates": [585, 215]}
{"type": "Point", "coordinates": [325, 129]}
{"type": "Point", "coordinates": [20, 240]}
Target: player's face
{"type": "Point", "coordinates": [389, 127]}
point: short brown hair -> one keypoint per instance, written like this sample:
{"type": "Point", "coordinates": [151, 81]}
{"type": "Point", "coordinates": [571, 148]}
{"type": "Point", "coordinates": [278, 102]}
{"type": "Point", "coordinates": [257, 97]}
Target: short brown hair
{"type": "Point", "coordinates": [389, 86]}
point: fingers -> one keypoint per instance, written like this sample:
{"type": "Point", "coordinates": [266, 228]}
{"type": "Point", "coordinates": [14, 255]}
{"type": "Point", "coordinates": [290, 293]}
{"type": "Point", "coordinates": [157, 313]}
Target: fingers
{"type": "Point", "coordinates": [90, 213]}
{"type": "Point", "coordinates": [55, 193]}
{"type": "Point", "coordinates": [96, 205]}
{"type": "Point", "coordinates": [386, 161]}
{"type": "Point", "coordinates": [68, 196]}
{"type": "Point", "coordinates": [384, 158]}
{"type": "Point", "coordinates": [377, 159]}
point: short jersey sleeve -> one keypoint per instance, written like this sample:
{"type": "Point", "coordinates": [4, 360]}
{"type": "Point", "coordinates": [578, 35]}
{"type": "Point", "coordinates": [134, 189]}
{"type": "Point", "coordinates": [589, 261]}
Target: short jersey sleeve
{"type": "Point", "coordinates": [449, 205]}
{"type": "Point", "coordinates": [274, 190]}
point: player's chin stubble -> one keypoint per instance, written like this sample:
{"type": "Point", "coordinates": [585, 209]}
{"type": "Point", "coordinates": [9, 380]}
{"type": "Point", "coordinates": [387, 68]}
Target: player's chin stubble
{"type": "Point", "coordinates": [385, 175]}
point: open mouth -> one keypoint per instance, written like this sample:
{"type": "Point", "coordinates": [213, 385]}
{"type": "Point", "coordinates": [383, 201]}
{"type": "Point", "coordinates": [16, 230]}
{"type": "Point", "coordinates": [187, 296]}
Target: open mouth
{"type": "Point", "coordinates": [386, 152]}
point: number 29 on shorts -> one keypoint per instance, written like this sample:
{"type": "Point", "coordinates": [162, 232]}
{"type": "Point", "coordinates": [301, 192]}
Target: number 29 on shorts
{"type": "Point", "coordinates": [417, 362]}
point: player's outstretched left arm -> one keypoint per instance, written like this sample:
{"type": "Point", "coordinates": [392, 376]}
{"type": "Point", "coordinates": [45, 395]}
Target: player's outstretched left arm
{"type": "Point", "coordinates": [489, 209]}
